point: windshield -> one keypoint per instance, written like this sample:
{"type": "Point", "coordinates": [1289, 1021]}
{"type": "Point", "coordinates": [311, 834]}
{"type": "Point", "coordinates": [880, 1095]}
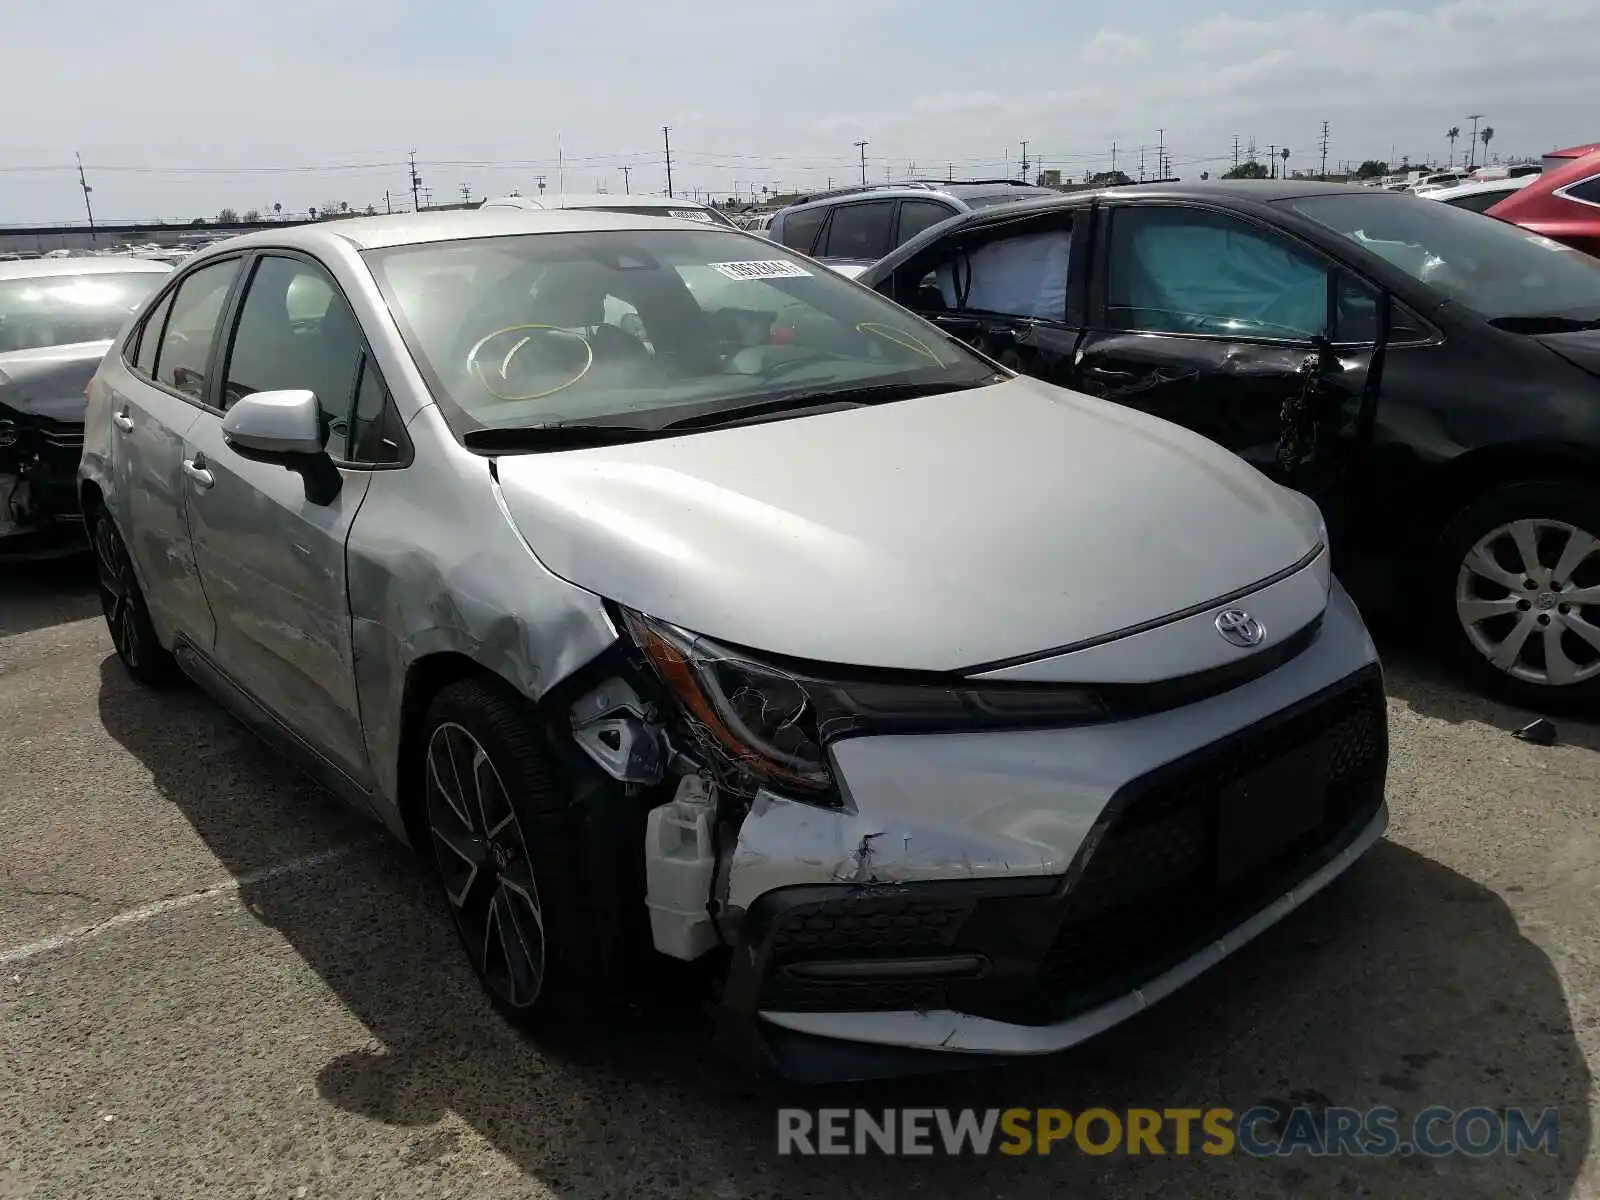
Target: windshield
{"type": "Point", "coordinates": [58, 310]}
{"type": "Point", "coordinates": [538, 329]}
{"type": "Point", "coordinates": [1495, 269]}
{"type": "Point", "coordinates": [704, 216]}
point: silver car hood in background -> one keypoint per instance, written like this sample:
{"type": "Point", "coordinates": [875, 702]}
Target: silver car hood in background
{"type": "Point", "coordinates": [49, 382]}
{"type": "Point", "coordinates": [934, 534]}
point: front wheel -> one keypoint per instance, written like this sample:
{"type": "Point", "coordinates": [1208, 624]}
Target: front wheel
{"type": "Point", "coordinates": [506, 852]}
{"type": "Point", "coordinates": [1515, 592]}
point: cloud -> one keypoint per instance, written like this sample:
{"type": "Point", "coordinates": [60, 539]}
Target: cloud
{"type": "Point", "coordinates": [306, 101]}
{"type": "Point", "coordinates": [1116, 48]}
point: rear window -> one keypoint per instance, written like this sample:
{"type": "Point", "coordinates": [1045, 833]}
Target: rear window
{"type": "Point", "coordinates": [799, 229]}
{"type": "Point", "coordinates": [692, 212]}
{"type": "Point", "coordinates": [58, 310]}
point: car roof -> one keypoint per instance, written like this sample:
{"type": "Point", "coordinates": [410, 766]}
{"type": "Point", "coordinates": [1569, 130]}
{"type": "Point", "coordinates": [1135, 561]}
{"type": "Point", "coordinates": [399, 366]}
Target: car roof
{"type": "Point", "coordinates": [407, 229]}
{"type": "Point", "coordinates": [589, 200]}
{"type": "Point", "coordinates": [1478, 186]}
{"type": "Point", "coordinates": [104, 264]}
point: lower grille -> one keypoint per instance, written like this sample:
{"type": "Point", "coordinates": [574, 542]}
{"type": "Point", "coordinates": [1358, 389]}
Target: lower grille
{"type": "Point", "coordinates": [1148, 896]}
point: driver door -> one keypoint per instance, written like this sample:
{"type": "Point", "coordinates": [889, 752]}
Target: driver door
{"type": "Point", "coordinates": [1239, 333]}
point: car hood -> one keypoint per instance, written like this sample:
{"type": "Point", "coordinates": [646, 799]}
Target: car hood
{"type": "Point", "coordinates": [49, 382]}
{"type": "Point", "coordinates": [1581, 349]}
{"type": "Point", "coordinates": [936, 534]}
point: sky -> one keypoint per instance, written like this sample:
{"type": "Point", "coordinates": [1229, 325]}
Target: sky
{"type": "Point", "coordinates": [183, 108]}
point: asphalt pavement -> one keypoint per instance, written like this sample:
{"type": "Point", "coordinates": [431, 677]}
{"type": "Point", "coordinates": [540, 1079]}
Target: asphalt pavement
{"type": "Point", "coordinates": [215, 981]}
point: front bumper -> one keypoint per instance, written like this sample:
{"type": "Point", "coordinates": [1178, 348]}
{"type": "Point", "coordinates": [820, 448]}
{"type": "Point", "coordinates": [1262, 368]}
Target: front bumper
{"type": "Point", "coordinates": [39, 510]}
{"type": "Point", "coordinates": [855, 975]}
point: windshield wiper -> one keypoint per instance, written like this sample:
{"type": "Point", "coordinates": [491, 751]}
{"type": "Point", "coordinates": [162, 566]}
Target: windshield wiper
{"type": "Point", "coordinates": [819, 397]}
{"type": "Point", "coordinates": [574, 435]}
{"type": "Point", "coordinates": [566, 436]}
{"type": "Point", "coordinates": [1550, 324]}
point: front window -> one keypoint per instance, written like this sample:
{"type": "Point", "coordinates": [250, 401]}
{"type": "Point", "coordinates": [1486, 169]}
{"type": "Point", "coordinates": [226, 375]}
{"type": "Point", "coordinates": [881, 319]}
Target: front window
{"type": "Point", "coordinates": [1497, 270]}
{"type": "Point", "coordinates": [544, 329]}
{"type": "Point", "coordinates": [59, 310]}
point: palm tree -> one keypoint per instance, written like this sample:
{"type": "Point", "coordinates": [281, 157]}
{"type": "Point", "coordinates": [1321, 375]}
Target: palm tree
{"type": "Point", "coordinates": [1452, 133]}
{"type": "Point", "coordinates": [1487, 135]}
{"type": "Point", "coordinates": [1284, 154]}
{"type": "Point", "coordinates": [277, 209]}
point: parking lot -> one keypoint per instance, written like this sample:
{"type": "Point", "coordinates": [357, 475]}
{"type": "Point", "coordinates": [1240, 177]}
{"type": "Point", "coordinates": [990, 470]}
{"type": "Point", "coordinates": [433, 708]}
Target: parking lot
{"type": "Point", "coordinates": [214, 981]}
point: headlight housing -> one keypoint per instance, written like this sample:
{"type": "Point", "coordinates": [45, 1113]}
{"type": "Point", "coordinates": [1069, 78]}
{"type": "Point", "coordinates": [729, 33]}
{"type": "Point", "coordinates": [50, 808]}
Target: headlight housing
{"type": "Point", "coordinates": [773, 721]}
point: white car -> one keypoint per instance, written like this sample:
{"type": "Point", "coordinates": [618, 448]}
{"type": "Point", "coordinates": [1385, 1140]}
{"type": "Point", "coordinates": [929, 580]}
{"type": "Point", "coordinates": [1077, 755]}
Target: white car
{"type": "Point", "coordinates": [640, 206]}
{"type": "Point", "coordinates": [1479, 195]}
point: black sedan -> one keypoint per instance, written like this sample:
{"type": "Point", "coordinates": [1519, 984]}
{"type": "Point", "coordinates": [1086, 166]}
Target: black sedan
{"type": "Point", "coordinates": [1429, 375]}
{"type": "Point", "coordinates": [57, 318]}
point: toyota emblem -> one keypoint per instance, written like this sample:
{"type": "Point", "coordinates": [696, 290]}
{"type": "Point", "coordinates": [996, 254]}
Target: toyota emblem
{"type": "Point", "coordinates": [1240, 628]}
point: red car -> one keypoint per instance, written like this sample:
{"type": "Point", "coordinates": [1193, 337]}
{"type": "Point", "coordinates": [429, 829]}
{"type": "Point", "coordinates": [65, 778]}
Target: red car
{"type": "Point", "coordinates": [1563, 203]}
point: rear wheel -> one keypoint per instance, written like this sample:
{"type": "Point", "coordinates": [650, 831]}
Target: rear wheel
{"type": "Point", "coordinates": [506, 851]}
{"type": "Point", "coordinates": [1515, 590]}
{"type": "Point", "coordinates": [127, 617]}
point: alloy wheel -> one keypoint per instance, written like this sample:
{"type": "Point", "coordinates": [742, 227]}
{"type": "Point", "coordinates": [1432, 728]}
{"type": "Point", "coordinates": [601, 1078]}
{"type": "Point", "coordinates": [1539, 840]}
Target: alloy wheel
{"type": "Point", "coordinates": [119, 592]}
{"type": "Point", "coordinates": [1528, 597]}
{"type": "Point", "coordinates": [485, 866]}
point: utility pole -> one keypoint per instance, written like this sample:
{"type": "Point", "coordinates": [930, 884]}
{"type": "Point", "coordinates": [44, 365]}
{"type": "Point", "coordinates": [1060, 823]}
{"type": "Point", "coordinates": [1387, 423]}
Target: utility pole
{"type": "Point", "coordinates": [1161, 153]}
{"type": "Point", "coordinates": [1472, 142]}
{"type": "Point", "coordinates": [862, 146]}
{"type": "Point", "coordinates": [1236, 149]}
{"type": "Point", "coordinates": [427, 197]}
{"type": "Point", "coordinates": [626, 190]}
{"type": "Point", "coordinates": [466, 194]}
{"type": "Point", "coordinates": [666, 140]}
{"type": "Point", "coordinates": [1113, 158]}
{"type": "Point", "coordinates": [416, 182]}
{"type": "Point", "coordinates": [1141, 164]}
{"type": "Point", "coordinates": [949, 172]}
{"type": "Point", "coordinates": [388, 206]}
{"type": "Point", "coordinates": [1324, 149]}
{"type": "Point", "coordinates": [1024, 160]}
{"type": "Point", "coordinates": [1272, 158]}
{"type": "Point", "coordinates": [540, 181]}
{"type": "Point", "coordinates": [87, 207]}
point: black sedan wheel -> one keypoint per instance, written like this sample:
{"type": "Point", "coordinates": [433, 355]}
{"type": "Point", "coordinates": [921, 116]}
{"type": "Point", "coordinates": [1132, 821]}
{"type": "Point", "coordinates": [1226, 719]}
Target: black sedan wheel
{"type": "Point", "coordinates": [127, 618]}
{"type": "Point", "coordinates": [1517, 583]}
{"type": "Point", "coordinates": [505, 853]}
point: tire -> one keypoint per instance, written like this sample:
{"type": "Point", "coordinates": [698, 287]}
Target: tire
{"type": "Point", "coordinates": [127, 616]}
{"type": "Point", "coordinates": [1527, 631]}
{"type": "Point", "coordinates": [506, 851]}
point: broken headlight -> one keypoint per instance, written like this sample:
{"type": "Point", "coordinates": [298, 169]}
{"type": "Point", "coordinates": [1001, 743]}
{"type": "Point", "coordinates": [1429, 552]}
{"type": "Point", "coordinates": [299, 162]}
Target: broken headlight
{"type": "Point", "coordinates": [774, 721]}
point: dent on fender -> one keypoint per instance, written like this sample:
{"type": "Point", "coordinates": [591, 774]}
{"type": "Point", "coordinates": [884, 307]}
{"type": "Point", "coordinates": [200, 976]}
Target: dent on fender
{"type": "Point", "coordinates": [495, 605]}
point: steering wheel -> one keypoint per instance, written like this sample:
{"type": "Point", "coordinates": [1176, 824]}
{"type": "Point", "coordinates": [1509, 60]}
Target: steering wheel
{"type": "Point", "coordinates": [545, 334]}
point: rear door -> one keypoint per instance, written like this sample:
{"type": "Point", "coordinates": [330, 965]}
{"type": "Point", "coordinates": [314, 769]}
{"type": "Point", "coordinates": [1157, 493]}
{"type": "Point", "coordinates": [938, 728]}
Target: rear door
{"type": "Point", "coordinates": [152, 410]}
{"type": "Point", "coordinates": [269, 534]}
{"type": "Point", "coordinates": [1237, 331]}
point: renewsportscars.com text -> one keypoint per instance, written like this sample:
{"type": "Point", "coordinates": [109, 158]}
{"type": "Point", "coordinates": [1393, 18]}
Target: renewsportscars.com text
{"type": "Point", "coordinates": [1260, 1132]}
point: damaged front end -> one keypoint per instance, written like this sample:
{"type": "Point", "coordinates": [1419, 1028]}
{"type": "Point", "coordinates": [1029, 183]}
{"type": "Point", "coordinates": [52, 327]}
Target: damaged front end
{"type": "Point", "coordinates": [38, 484]}
{"type": "Point", "coordinates": [728, 755]}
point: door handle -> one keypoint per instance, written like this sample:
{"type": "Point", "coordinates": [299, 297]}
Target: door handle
{"type": "Point", "coordinates": [195, 469]}
{"type": "Point", "coordinates": [1107, 375]}
{"type": "Point", "coordinates": [123, 421]}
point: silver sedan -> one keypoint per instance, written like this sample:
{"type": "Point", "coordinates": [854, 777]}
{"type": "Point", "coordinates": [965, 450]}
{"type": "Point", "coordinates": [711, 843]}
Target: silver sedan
{"type": "Point", "coordinates": [675, 595]}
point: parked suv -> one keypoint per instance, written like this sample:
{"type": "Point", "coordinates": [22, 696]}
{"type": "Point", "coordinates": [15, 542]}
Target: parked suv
{"type": "Point", "coordinates": [867, 223]}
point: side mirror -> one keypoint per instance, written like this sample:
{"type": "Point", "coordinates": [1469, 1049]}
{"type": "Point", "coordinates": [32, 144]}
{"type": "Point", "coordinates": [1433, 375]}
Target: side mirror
{"type": "Point", "coordinates": [278, 423]}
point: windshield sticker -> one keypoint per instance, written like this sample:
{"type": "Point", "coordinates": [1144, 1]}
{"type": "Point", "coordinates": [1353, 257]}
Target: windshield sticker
{"type": "Point", "coordinates": [770, 268]}
{"type": "Point", "coordinates": [691, 214]}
